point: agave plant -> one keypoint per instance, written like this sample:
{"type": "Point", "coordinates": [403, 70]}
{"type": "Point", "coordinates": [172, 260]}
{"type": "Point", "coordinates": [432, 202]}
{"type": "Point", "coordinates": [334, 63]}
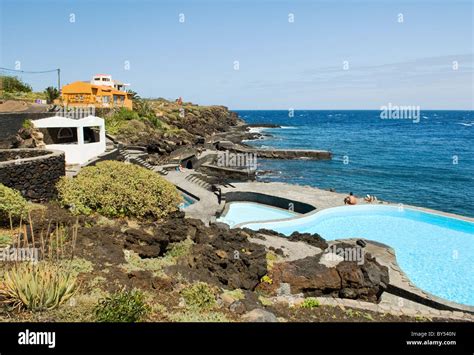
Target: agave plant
{"type": "Point", "coordinates": [37, 287]}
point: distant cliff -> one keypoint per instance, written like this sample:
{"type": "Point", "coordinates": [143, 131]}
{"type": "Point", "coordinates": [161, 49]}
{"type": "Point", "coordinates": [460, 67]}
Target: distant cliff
{"type": "Point", "coordinates": [164, 126]}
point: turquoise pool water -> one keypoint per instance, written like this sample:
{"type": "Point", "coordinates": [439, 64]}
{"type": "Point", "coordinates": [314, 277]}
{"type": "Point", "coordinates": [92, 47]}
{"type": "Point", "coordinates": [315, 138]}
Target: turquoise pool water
{"type": "Point", "coordinates": [436, 252]}
{"type": "Point", "coordinates": [242, 212]}
{"type": "Point", "coordinates": [187, 201]}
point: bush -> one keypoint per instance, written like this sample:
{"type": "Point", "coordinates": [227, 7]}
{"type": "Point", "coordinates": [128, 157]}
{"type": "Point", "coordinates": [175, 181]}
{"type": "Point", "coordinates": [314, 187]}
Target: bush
{"type": "Point", "coordinates": [199, 296]}
{"type": "Point", "coordinates": [117, 189]}
{"type": "Point", "coordinates": [51, 94]}
{"type": "Point", "coordinates": [310, 303]}
{"type": "Point", "coordinates": [128, 306]}
{"type": "Point", "coordinates": [12, 204]}
{"type": "Point", "coordinates": [115, 121]}
{"type": "Point", "coordinates": [37, 287]}
{"type": "Point", "coordinates": [5, 240]}
{"type": "Point", "coordinates": [13, 84]}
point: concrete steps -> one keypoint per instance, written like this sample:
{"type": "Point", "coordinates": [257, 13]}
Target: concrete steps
{"type": "Point", "coordinates": [196, 179]}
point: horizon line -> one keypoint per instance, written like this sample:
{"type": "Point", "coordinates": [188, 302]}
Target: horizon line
{"type": "Point", "coordinates": [336, 109]}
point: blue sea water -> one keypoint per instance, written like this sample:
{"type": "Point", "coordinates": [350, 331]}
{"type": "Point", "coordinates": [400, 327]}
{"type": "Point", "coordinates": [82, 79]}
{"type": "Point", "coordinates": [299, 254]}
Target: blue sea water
{"type": "Point", "coordinates": [429, 163]}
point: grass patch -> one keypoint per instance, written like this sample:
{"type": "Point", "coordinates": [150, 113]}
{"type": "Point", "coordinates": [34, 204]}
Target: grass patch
{"type": "Point", "coordinates": [265, 301]}
{"type": "Point", "coordinates": [200, 296]}
{"type": "Point", "coordinates": [310, 303]}
{"type": "Point", "coordinates": [271, 259]}
{"type": "Point", "coordinates": [236, 294]}
{"type": "Point", "coordinates": [5, 240]}
{"type": "Point", "coordinates": [157, 265]}
{"type": "Point", "coordinates": [122, 307]}
{"type": "Point", "coordinates": [198, 317]}
{"type": "Point", "coordinates": [77, 266]}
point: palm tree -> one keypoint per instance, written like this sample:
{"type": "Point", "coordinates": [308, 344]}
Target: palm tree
{"type": "Point", "coordinates": [133, 95]}
{"type": "Point", "coordinates": [51, 94]}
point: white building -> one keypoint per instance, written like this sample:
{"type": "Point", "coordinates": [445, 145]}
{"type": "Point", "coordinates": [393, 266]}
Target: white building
{"type": "Point", "coordinates": [80, 139]}
{"type": "Point", "coordinates": [106, 80]}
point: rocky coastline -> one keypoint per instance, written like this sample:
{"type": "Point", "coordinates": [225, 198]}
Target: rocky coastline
{"type": "Point", "coordinates": [255, 275]}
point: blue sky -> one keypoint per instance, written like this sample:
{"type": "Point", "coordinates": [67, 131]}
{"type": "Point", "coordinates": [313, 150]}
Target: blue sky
{"type": "Point", "coordinates": [282, 65]}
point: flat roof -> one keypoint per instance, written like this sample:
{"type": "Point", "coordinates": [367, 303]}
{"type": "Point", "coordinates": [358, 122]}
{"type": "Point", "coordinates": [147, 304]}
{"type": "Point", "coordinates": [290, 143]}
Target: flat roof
{"type": "Point", "coordinates": [59, 121]}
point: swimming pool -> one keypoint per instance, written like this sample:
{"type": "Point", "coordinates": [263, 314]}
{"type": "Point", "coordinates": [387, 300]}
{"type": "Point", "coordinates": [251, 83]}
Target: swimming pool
{"type": "Point", "coordinates": [187, 201]}
{"type": "Point", "coordinates": [435, 251]}
{"type": "Point", "coordinates": [243, 212]}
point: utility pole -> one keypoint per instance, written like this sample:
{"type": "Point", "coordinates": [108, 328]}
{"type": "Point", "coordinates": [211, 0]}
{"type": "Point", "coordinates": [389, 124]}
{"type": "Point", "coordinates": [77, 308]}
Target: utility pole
{"type": "Point", "coordinates": [59, 79]}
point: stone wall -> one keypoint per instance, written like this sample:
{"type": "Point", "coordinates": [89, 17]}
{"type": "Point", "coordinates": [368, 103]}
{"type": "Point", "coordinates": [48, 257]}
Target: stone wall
{"type": "Point", "coordinates": [284, 203]}
{"type": "Point", "coordinates": [33, 172]}
{"type": "Point", "coordinates": [10, 123]}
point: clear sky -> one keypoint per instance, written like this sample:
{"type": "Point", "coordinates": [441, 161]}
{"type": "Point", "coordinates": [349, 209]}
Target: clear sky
{"type": "Point", "coordinates": [282, 64]}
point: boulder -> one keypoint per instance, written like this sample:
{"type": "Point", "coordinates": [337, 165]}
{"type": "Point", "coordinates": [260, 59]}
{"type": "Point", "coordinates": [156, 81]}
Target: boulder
{"type": "Point", "coordinates": [312, 239]}
{"type": "Point", "coordinates": [237, 307]}
{"type": "Point", "coordinates": [347, 279]}
{"type": "Point", "coordinates": [259, 315]}
{"type": "Point", "coordinates": [307, 276]}
{"type": "Point", "coordinates": [227, 259]}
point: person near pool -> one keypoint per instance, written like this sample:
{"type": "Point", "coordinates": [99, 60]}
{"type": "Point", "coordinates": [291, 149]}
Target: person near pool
{"type": "Point", "coordinates": [350, 200]}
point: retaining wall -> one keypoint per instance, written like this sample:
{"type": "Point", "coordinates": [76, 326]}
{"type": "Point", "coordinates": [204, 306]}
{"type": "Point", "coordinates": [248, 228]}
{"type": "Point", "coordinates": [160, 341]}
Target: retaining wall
{"type": "Point", "coordinates": [33, 172]}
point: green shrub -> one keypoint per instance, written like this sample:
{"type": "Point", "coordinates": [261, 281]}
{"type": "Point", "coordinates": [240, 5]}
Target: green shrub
{"type": "Point", "coordinates": [27, 124]}
{"type": "Point", "coordinates": [125, 114]}
{"type": "Point", "coordinates": [125, 306]}
{"type": "Point", "coordinates": [310, 303]}
{"type": "Point", "coordinates": [5, 240]}
{"type": "Point", "coordinates": [37, 287]}
{"type": "Point", "coordinates": [12, 204]}
{"type": "Point", "coordinates": [199, 296]}
{"type": "Point", "coordinates": [115, 121]}
{"type": "Point", "coordinates": [117, 189]}
{"type": "Point", "coordinates": [14, 84]}
{"type": "Point", "coordinates": [266, 279]}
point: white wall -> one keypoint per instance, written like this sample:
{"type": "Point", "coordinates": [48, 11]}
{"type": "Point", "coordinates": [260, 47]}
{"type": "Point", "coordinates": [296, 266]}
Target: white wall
{"type": "Point", "coordinates": [79, 154]}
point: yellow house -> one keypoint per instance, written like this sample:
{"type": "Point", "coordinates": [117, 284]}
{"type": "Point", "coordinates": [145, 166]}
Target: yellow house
{"type": "Point", "coordinates": [106, 94]}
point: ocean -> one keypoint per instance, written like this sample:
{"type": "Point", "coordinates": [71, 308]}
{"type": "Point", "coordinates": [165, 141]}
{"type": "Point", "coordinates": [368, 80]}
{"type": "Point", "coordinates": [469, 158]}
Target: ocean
{"type": "Point", "coordinates": [429, 163]}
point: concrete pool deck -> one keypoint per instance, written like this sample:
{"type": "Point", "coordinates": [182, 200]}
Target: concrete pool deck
{"type": "Point", "coordinates": [320, 199]}
{"type": "Point", "coordinates": [207, 207]}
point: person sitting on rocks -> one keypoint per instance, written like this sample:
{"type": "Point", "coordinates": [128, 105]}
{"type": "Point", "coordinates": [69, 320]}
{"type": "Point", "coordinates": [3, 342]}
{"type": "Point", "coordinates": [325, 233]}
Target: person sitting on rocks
{"type": "Point", "coordinates": [350, 200]}
{"type": "Point", "coordinates": [370, 199]}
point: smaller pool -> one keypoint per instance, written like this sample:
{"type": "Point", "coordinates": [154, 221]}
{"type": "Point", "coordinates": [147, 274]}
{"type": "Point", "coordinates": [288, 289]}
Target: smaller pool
{"type": "Point", "coordinates": [243, 212]}
{"type": "Point", "coordinates": [187, 201]}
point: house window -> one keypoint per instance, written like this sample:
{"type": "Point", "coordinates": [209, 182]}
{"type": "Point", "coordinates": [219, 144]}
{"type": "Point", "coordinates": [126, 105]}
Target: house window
{"type": "Point", "coordinates": [91, 134]}
{"type": "Point", "coordinates": [105, 99]}
{"type": "Point", "coordinates": [65, 133]}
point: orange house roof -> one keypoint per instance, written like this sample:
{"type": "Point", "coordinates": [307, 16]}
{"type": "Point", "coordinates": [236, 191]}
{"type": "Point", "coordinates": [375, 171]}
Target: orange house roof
{"type": "Point", "coordinates": [77, 87]}
{"type": "Point", "coordinates": [80, 87]}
